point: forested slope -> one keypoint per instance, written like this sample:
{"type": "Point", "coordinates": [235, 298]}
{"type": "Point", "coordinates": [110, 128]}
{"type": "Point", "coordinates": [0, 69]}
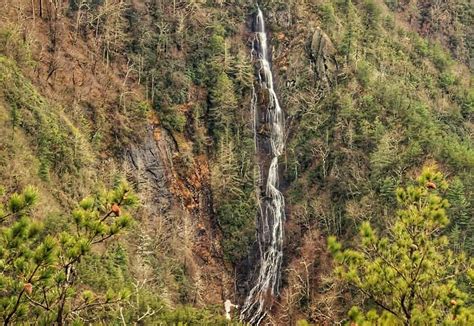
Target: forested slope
{"type": "Point", "coordinates": [159, 93]}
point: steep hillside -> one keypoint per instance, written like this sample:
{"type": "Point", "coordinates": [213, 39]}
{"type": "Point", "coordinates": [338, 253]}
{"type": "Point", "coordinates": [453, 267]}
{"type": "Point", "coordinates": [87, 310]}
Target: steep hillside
{"type": "Point", "coordinates": [73, 120]}
{"type": "Point", "coordinates": [160, 93]}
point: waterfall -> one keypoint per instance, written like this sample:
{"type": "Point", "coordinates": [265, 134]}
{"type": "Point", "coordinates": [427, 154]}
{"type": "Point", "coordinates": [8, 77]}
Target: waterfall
{"type": "Point", "coordinates": [271, 216]}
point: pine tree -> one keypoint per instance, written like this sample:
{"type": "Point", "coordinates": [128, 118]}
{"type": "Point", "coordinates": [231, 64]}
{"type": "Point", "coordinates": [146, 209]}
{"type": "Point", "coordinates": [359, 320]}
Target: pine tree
{"type": "Point", "coordinates": [408, 275]}
{"type": "Point", "coordinates": [462, 224]}
{"type": "Point", "coordinates": [223, 103]}
{"type": "Point", "coordinates": [38, 280]}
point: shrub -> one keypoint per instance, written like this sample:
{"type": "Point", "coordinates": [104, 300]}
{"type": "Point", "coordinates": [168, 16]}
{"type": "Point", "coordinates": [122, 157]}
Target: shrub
{"type": "Point", "coordinates": [364, 74]}
{"type": "Point", "coordinates": [173, 120]}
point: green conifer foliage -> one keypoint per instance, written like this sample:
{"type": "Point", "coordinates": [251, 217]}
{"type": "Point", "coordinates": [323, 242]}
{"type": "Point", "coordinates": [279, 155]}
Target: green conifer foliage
{"type": "Point", "coordinates": [408, 274]}
{"type": "Point", "coordinates": [224, 103]}
{"type": "Point", "coordinates": [38, 281]}
{"type": "Point", "coordinates": [462, 224]}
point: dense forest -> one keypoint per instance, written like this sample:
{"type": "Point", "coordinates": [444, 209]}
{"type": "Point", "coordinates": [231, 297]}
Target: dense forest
{"type": "Point", "coordinates": [134, 158]}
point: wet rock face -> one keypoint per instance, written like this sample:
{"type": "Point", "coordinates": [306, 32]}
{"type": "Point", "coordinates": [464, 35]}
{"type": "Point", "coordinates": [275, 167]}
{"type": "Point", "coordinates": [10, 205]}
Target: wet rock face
{"type": "Point", "coordinates": [322, 55]}
{"type": "Point", "coordinates": [147, 166]}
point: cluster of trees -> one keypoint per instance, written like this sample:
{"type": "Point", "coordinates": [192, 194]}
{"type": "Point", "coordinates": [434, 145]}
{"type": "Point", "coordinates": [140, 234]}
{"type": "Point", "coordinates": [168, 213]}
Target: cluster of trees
{"type": "Point", "coordinates": [72, 269]}
{"type": "Point", "coordinates": [407, 273]}
{"type": "Point", "coordinates": [357, 141]}
{"type": "Point", "coordinates": [60, 147]}
{"type": "Point", "coordinates": [198, 76]}
{"type": "Point", "coordinates": [195, 77]}
{"type": "Point", "coordinates": [229, 76]}
{"type": "Point", "coordinates": [400, 101]}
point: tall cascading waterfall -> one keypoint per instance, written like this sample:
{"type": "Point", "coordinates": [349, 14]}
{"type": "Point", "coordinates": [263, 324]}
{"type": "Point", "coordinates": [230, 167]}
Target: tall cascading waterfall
{"type": "Point", "coordinates": [269, 128]}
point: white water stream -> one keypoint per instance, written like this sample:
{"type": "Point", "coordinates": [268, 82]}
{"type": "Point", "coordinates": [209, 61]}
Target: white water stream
{"type": "Point", "coordinates": [272, 203]}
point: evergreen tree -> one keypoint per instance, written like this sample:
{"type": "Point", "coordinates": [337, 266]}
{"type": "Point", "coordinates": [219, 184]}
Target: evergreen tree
{"type": "Point", "coordinates": [223, 103]}
{"type": "Point", "coordinates": [408, 275]}
{"type": "Point", "coordinates": [38, 270]}
{"type": "Point", "coordinates": [462, 223]}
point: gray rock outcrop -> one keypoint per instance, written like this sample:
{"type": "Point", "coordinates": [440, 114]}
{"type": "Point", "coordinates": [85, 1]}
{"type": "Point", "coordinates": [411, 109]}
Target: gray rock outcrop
{"type": "Point", "coordinates": [147, 165]}
{"type": "Point", "coordinates": [322, 56]}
